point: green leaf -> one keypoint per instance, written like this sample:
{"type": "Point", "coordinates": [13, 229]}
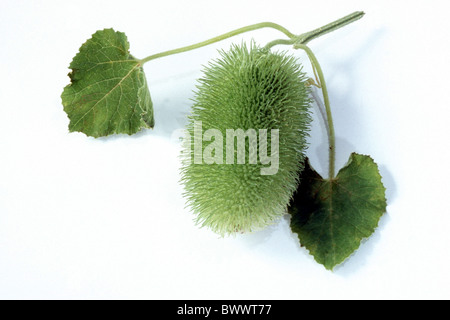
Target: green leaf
{"type": "Point", "coordinates": [331, 217]}
{"type": "Point", "coordinates": [108, 92]}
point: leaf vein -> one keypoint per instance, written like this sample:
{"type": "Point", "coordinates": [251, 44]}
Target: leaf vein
{"type": "Point", "coordinates": [108, 93]}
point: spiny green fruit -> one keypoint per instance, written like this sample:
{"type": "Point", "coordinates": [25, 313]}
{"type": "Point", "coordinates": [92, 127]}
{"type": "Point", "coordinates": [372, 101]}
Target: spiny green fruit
{"type": "Point", "coordinates": [247, 88]}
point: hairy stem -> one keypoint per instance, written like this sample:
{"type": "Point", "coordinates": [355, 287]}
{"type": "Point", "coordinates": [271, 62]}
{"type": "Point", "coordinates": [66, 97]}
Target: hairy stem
{"type": "Point", "coordinates": [326, 101]}
{"type": "Point", "coordinates": [304, 38]}
{"type": "Point", "coordinates": [293, 39]}
{"type": "Point", "coordinates": [220, 38]}
{"type": "Point", "coordinates": [321, 108]}
{"type": "Point", "coordinates": [308, 36]}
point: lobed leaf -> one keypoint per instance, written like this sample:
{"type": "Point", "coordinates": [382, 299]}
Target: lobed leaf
{"type": "Point", "coordinates": [331, 217]}
{"type": "Point", "coordinates": [108, 92]}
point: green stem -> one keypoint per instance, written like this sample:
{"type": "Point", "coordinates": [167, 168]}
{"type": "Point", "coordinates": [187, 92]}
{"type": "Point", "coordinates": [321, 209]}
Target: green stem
{"type": "Point", "coordinates": [304, 38]}
{"type": "Point", "coordinates": [280, 41]}
{"type": "Point", "coordinates": [293, 39]}
{"type": "Point", "coordinates": [326, 100]}
{"type": "Point", "coordinates": [220, 38]}
{"type": "Point", "coordinates": [308, 36]}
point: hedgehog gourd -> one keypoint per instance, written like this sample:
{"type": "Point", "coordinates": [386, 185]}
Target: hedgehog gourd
{"type": "Point", "coordinates": [249, 87]}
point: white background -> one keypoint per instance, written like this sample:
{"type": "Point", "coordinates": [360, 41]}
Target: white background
{"type": "Point", "coordinates": [84, 218]}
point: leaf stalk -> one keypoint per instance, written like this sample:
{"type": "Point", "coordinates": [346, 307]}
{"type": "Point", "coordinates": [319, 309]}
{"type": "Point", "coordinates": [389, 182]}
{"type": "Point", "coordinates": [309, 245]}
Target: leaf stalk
{"type": "Point", "coordinates": [326, 101]}
{"type": "Point", "coordinates": [304, 38]}
{"type": "Point", "coordinates": [220, 38]}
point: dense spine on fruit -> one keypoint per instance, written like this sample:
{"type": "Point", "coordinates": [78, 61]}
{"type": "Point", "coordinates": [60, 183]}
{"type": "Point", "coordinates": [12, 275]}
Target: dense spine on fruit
{"type": "Point", "coordinates": [249, 87]}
